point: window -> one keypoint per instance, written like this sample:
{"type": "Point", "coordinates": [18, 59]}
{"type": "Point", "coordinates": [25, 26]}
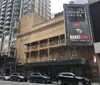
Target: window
{"type": "Point", "coordinates": [67, 75]}
{"type": "Point", "coordinates": [15, 74]}
{"type": "Point", "coordinates": [76, 14]}
{"type": "Point", "coordinates": [36, 74]}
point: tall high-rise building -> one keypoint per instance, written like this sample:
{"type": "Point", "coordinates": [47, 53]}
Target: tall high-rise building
{"type": "Point", "coordinates": [81, 1]}
{"type": "Point", "coordinates": [10, 12]}
{"type": "Point", "coordinates": [41, 7]}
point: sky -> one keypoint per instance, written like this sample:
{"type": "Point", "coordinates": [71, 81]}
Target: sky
{"type": "Point", "coordinates": [57, 5]}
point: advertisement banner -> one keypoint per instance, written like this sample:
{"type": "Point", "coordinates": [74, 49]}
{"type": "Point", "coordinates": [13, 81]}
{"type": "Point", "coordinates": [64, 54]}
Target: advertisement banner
{"type": "Point", "coordinates": [77, 24]}
{"type": "Point", "coordinates": [78, 31]}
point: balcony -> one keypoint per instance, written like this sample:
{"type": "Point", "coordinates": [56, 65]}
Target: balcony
{"type": "Point", "coordinates": [8, 13]}
{"type": "Point", "coordinates": [55, 42]}
{"type": "Point", "coordinates": [2, 18]}
{"type": "Point", "coordinates": [3, 14]}
{"type": "Point", "coordinates": [1, 22]}
{"type": "Point", "coordinates": [43, 45]}
{"type": "Point", "coordinates": [7, 28]}
{"type": "Point", "coordinates": [0, 30]}
{"type": "Point", "coordinates": [9, 1]}
{"type": "Point", "coordinates": [8, 18]}
{"type": "Point", "coordinates": [6, 32]}
{"type": "Point", "coordinates": [1, 26]}
{"type": "Point", "coordinates": [4, 5]}
{"type": "Point", "coordinates": [62, 41]}
{"type": "Point", "coordinates": [0, 35]}
{"type": "Point", "coordinates": [4, 2]}
{"type": "Point", "coordinates": [9, 9]}
{"type": "Point", "coordinates": [10, 5]}
{"type": "Point", "coordinates": [34, 47]}
{"type": "Point", "coordinates": [3, 10]}
{"type": "Point", "coordinates": [7, 22]}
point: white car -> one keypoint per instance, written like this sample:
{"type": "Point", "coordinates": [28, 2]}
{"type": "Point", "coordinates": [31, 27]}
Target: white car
{"type": "Point", "coordinates": [6, 77]}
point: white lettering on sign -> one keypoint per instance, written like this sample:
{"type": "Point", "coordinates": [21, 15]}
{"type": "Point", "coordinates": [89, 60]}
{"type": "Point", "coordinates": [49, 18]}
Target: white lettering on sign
{"type": "Point", "coordinates": [75, 37]}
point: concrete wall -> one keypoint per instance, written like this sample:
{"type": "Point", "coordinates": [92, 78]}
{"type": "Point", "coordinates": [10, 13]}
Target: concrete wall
{"type": "Point", "coordinates": [27, 22]}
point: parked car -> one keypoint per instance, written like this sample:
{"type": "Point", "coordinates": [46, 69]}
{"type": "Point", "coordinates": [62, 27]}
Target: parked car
{"type": "Point", "coordinates": [41, 78]}
{"type": "Point", "coordinates": [72, 79]}
{"type": "Point", "coordinates": [18, 77]}
{"type": "Point", "coordinates": [7, 77]}
{"type": "Point", "coordinates": [4, 76]}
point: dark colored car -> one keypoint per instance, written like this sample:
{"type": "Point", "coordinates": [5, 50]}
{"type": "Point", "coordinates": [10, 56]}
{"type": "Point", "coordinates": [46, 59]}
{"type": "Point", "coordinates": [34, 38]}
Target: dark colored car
{"type": "Point", "coordinates": [18, 77]}
{"type": "Point", "coordinates": [41, 78]}
{"type": "Point", "coordinates": [71, 79]}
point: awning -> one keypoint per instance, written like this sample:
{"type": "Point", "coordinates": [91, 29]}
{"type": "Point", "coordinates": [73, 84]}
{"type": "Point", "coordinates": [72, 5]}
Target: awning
{"type": "Point", "coordinates": [57, 63]}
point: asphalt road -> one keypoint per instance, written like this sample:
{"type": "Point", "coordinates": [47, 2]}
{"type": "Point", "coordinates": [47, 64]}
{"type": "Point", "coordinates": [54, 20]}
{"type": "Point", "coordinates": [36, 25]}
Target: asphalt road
{"type": "Point", "coordinates": [20, 83]}
{"type": "Point", "coordinates": [27, 83]}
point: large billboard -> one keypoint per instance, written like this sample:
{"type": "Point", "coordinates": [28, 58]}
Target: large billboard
{"type": "Point", "coordinates": [77, 24]}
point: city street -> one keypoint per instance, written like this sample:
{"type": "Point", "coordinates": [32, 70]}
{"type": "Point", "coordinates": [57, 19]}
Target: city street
{"type": "Point", "coordinates": [20, 83]}
{"type": "Point", "coordinates": [27, 83]}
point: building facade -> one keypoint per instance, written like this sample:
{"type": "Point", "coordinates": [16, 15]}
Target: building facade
{"type": "Point", "coordinates": [43, 48]}
{"type": "Point", "coordinates": [92, 1]}
{"type": "Point", "coordinates": [81, 1]}
{"type": "Point", "coordinates": [41, 7]}
{"type": "Point", "coordinates": [10, 12]}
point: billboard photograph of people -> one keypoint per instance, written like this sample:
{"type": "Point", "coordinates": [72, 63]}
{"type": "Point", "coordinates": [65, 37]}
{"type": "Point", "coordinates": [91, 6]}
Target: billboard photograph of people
{"type": "Point", "coordinates": [77, 24]}
{"type": "Point", "coordinates": [78, 30]}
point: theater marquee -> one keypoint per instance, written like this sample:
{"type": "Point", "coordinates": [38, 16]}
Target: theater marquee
{"type": "Point", "coordinates": [77, 24]}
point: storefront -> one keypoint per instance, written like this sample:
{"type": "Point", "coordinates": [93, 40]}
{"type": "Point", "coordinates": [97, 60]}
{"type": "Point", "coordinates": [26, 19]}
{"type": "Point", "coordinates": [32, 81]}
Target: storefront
{"type": "Point", "coordinates": [52, 68]}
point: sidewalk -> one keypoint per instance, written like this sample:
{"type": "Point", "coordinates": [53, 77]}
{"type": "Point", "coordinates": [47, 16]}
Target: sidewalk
{"type": "Point", "coordinates": [95, 84]}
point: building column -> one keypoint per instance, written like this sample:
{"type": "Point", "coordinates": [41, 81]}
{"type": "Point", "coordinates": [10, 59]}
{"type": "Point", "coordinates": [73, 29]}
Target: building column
{"type": "Point", "coordinates": [38, 51]}
{"type": "Point", "coordinates": [74, 52]}
{"type": "Point", "coordinates": [30, 52]}
{"type": "Point", "coordinates": [49, 56]}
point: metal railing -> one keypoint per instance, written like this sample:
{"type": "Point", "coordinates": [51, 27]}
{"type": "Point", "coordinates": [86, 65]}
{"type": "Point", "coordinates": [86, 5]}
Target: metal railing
{"type": "Point", "coordinates": [43, 45]}
{"type": "Point", "coordinates": [51, 43]}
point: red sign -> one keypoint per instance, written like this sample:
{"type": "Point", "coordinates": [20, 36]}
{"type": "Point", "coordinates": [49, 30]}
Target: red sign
{"type": "Point", "coordinates": [84, 36]}
{"type": "Point", "coordinates": [94, 59]}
